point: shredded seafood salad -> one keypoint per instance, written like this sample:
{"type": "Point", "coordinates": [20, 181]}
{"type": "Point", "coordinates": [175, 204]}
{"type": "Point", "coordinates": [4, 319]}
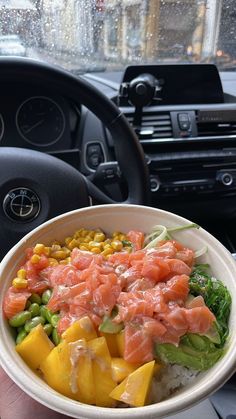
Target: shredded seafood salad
{"type": "Point", "coordinates": [103, 318]}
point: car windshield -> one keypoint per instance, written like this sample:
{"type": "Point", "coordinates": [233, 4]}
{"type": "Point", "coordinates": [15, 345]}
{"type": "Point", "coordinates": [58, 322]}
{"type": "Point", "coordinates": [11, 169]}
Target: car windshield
{"type": "Point", "coordinates": [105, 35]}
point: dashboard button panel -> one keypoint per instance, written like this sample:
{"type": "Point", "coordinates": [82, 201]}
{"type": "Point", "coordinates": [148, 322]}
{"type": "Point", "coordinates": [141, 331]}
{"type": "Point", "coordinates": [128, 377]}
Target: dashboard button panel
{"type": "Point", "coordinates": [184, 122]}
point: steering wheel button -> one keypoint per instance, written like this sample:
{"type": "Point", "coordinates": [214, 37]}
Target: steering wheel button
{"type": "Point", "coordinates": [94, 148]}
{"type": "Point", "coordinates": [94, 155]}
{"type": "Point", "coordinates": [94, 160]}
{"type": "Point", "coordinates": [109, 173]}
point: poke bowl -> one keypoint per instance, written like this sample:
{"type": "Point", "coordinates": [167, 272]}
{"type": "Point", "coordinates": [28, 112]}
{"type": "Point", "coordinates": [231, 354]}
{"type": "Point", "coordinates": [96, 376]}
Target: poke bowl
{"type": "Point", "coordinates": [118, 309]}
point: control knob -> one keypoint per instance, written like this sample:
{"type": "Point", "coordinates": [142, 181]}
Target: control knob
{"type": "Point", "coordinates": [225, 178]}
{"type": "Point", "coordinates": [154, 183]}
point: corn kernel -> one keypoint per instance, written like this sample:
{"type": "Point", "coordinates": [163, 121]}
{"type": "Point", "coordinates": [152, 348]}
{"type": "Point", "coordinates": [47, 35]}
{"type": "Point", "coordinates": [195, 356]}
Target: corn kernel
{"type": "Point", "coordinates": [19, 283]}
{"type": "Point", "coordinates": [74, 243]}
{"type": "Point", "coordinates": [107, 257]}
{"type": "Point", "coordinates": [66, 250]}
{"type": "Point", "coordinates": [59, 254]}
{"type": "Point", "coordinates": [107, 246]}
{"type": "Point", "coordinates": [83, 232]}
{"type": "Point", "coordinates": [95, 244]}
{"type": "Point", "coordinates": [99, 237]}
{"type": "Point", "coordinates": [122, 237]}
{"type": "Point", "coordinates": [35, 259]}
{"type": "Point", "coordinates": [116, 245]}
{"type": "Point", "coordinates": [47, 251]}
{"type": "Point", "coordinates": [21, 274]}
{"type": "Point", "coordinates": [107, 252]}
{"type": "Point", "coordinates": [84, 247]}
{"type": "Point", "coordinates": [77, 234]}
{"type": "Point", "coordinates": [91, 234]}
{"type": "Point", "coordinates": [95, 250]}
{"type": "Point", "coordinates": [65, 261]}
{"type": "Point", "coordinates": [38, 249]}
{"type": "Point", "coordinates": [86, 239]}
{"type": "Point", "coordinates": [68, 240]}
{"type": "Point", "coordinates": [52, 262]}
{"type": "Point", "coordinates": [116, 233]}
{"type": "Point", "coordinates": [55, 247]}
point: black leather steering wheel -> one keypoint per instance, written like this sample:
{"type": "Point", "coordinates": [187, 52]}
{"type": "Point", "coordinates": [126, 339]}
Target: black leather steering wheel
{"type": "Point", "coordinates": [35, 186]}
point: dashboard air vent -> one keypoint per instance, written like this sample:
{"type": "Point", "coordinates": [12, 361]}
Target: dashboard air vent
{"type": "Point", "coordinates": [151, 126]}
{"type": "Point", "coordinates": [216, 124]}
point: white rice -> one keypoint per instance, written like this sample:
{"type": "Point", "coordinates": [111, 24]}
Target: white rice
{"type": "Point", "coordinates": [171, 379]}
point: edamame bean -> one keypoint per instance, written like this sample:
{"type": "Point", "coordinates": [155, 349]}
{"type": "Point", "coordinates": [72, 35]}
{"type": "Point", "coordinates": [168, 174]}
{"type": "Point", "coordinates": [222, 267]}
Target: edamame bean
{"type": "Point", "coordinates": [34, 309]}
{"type": "Point", "coordinates": [55, 336]}
{"type": "Point", "coordinates": [20, 318]}
{"type": "Point", "coordinates": [30, 324]}
{"type": "Point", "coordinates": [54, 320]}
{"type": "Point", "coordinates": [21, 336]}
{"type": "Point", "coordinates": [46, 296]}
{"type": "Point", "coordinates": [35, 298]}
{"type": "Point", "coordinates": [45, 313]}
{"type": "Point", "coordinates": [19, 329]}
{"type": "Point", "coordinates": [48, 328]}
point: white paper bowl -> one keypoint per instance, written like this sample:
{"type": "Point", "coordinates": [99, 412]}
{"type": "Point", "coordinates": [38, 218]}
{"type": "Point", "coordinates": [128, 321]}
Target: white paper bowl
{"type": "Point", "coordinates": [111, 218]}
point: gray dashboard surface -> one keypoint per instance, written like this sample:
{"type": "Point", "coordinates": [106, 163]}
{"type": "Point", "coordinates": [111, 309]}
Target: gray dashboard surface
{"type": "Point", "coordinates": [202, 410]}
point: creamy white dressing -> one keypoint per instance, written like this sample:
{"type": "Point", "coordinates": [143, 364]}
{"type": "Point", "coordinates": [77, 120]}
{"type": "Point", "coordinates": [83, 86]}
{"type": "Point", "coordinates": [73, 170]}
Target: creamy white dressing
{"type": "Point", "coordinates": [77, 349]}
{"type": "Point", "coordinates": [102, 363]}
{"type": "Point", "coordinates": [86, 325]}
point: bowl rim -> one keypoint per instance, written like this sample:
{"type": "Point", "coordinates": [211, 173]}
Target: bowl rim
{"type": "Point", "coordinates": [60, 403]}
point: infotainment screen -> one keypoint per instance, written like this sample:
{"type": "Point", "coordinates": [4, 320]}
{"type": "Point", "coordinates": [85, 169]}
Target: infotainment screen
{"type": "Point", "coordinates": [181, 83]}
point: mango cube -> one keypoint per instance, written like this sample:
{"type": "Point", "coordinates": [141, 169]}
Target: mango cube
{"type": "Point", "coordinates": [121, 368]}
{"type": "Point", "coordinates": [85, 380]}
{"type": "Point", "coordinates": [56, 369]}
{"type": "Point", "coordinates": [120, 340]}
{"type": "Point", "coordinates": [134, 388]}
{"type": "Point", "coordinates": [80, 329]}
{"type": "Point", "coordinates": [35, 348]}
{"type": "Point", "coordinates": [111, 340]}
{"type": "Point", "coordinates": [102, 372]}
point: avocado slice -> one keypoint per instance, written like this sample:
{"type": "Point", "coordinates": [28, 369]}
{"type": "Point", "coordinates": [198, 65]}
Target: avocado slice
{"type": "Point", "coordinates": [213, 334]}
{"type": "Point", "coordinates": [108, 326]}
{"type": "Point", "coordinates": [194, 351]}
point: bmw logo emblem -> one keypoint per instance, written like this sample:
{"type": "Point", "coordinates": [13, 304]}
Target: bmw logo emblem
{"type": "Point", "coordinates": [21, 204]}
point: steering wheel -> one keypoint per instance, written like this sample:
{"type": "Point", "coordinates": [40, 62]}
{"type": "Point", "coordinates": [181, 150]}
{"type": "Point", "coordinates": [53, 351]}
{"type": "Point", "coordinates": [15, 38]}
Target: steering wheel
{"type": "Point", "coordinates": [35, 186]}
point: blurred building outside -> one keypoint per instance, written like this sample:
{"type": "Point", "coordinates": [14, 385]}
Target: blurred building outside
{"type": "Point", "coordinates": [119, 31]}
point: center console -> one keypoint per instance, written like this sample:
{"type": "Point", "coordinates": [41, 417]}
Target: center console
{"type": "Point", "coordinates": [187, 127]}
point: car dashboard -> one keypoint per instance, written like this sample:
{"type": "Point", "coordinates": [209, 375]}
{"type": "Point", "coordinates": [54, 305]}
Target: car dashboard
{"type": "Point", "coordinates": [190, 149]}
{"type": "Point", "coordinates": [187, 132]}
